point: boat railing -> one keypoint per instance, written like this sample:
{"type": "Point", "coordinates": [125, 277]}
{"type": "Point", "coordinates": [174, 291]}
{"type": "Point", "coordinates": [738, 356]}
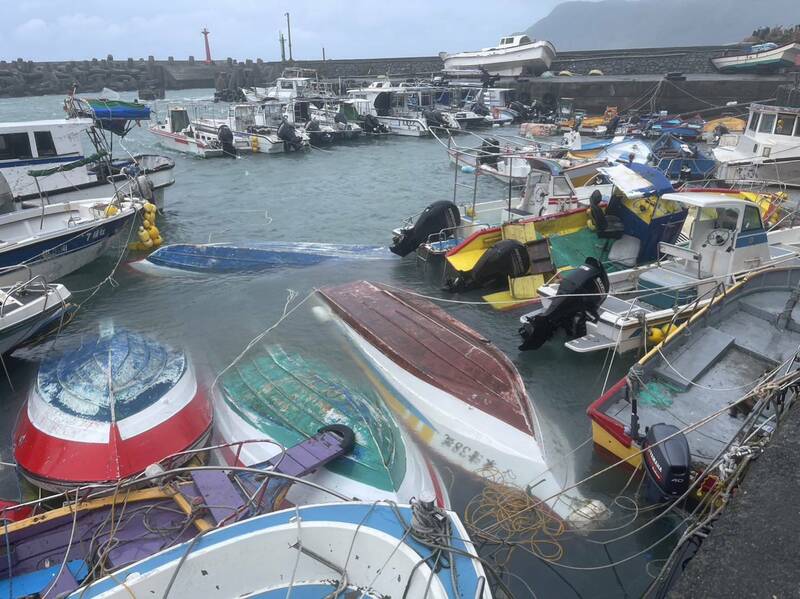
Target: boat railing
{"type": "Point", "coordinates": [38, 282]}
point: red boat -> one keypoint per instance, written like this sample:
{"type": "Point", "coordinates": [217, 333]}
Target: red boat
{"type": "Point", "coordinates": [107, 410]}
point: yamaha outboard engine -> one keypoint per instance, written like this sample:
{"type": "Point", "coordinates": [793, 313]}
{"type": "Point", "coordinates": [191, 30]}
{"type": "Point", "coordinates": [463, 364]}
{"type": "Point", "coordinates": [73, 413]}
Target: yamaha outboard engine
{"type": "Point", "coordinates": [520, 109]}
{"type": "Point", "coordinates": [6, 197]}
{"type": "Point", "coordinates": [580, 293]}
{"type": "Point", "coordinates": [438, 216]}
{"type": "Point", "coordinates": [373, 125]}
{"type": "Point", "coordinates": [667, 463]}
{"type": "Point", "coordinates": [434, 118]}
{"type": "Point", "coordinates": [225, 136]}
{"type": "Point", "coordinates": [507, 258]}
{"type": "Point", "coordinates": [489, 152]}
{"type": "Point", "coordinates": [288, 134]}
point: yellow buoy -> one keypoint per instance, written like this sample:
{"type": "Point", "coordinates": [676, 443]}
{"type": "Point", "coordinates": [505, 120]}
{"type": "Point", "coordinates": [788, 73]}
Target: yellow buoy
{"type": "Point", "coordinates": [147, 224]}
{"type": "Point", "coordinates": [667, 329]}
{"type": "Point", "coordinates": [153, 232]}
{"type": "Point", "coordinates": [111, 210]}
{"type": "Point", "coordinates": [157, 242]}
{"type": "Point", "coordinates": [143, 236]}
{"type": "Point", "coordinates": [655, 336]}
{"type": "Point", "coordinates": [590, 224]}
{"type": "Point", "coordinates": [149, 207]}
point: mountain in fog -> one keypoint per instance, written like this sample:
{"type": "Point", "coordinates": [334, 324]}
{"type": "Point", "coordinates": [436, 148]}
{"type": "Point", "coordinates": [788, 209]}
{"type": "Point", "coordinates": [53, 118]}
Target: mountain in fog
{"type": "Point", "coordinates": [581, 25]}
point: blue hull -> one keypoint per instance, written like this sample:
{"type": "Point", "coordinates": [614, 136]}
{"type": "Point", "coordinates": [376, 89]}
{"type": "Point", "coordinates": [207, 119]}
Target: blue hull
{"type": "Point", "coordinates": [258, 256]}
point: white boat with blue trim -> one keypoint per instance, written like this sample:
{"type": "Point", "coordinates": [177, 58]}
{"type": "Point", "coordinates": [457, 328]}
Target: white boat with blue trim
{"type": "Point", "coordinates": [354, 549]}
{"type": "Point", "coordinates": [27, 308]}
{"type": "Point", "coordinates": [727, 240]}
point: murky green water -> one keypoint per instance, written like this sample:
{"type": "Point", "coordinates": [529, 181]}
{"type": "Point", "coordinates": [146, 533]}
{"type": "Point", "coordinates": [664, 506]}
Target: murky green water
{"type": "Point", "coordinates": [353, 193]}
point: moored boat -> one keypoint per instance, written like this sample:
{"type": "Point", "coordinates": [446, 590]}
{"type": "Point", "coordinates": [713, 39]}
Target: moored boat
{"type": "Point", "coordinates": [26, 308]}
{"type": "Point", "coordinates": [759, 58]}
{"type": "Point", "coordinates": [108, 409]}
{"type": "Point", "coordinates": [354, 549]}
{"type": "Point", "coordinates": [456, 391]}
{"type": "Point", "coordinates": [177, 133]}
{"type": "Point", "coordinates": [283, 397]}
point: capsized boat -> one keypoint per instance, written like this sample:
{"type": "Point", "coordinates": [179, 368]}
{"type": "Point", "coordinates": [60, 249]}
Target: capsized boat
{"type": "Point", "coordinates": [513, 56]}
{"type": "Point", "coordinates": [285, 398]}
{"type": "Point", "coordinates": [106, 410]}
{"type": "Point", "coordinates": [96, 535]}
{"type": "Point", "coordinates": [741, 343]}
{"type": "Point", "coordinates": [598, 310]}
{"type": "Point", "coordinates": [681, 161]}
{"type": "Point", "coordinates": [27, 308]}
{"type": "Point", "coordinates": [266, 255]}
{"type": "Point", "coordinates": [353, 549]}
{"type": "Point", "coordinates": [57, 239]}
{"type": "Point", "coordinates": [456, 391]}
{"type": "Point", "coordinates": [759, 58]}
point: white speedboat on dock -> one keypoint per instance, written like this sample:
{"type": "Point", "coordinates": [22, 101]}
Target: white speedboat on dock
{"type": "Point", "coordinates": [515, 55]}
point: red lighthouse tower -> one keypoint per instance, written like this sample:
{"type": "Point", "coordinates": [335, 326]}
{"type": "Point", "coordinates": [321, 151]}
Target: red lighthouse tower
{"type": "Point", "coordinates": [205, 33]}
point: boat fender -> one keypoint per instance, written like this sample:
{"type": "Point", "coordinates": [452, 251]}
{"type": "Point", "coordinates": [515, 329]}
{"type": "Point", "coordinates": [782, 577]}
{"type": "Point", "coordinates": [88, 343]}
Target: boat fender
{"type": "Point", "coordinates": [580, 294]}
{"type": "Point", "coordinates": [506, 258]}
{"type": "Point", "coordinates": [143, 235]}
{"type": "Point", "coordinates": [654, 336]}
{"type": "Point", "coordinates": [468, 169]}
{"type": "Point", "coordinates": [153, 232]}
{"type": "Point", "coordinates": [111, 210]}
{"type": "Point", "coordinates": [345, 433]}
{"type": "Point", "coordinates": [440, 217]}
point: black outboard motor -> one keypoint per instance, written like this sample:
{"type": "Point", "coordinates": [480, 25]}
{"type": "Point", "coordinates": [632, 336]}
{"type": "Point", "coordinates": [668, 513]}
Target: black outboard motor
{"type": "Point", "coordinates": [288, 134]}
{"type": "Point", "coordinates": [489, 152]}
{"type": "Point", "coordinates": [438, 216]}
{"type": "Point", "coordinates": [433, 118]}
{"type": "Point", "coordinates": [580, 293]}
{"type": "Point", "coordinates": [507, 258]}
{"type": "Point", "coordinates": [225, 136]}
{"type": "Point", "coordinates": [373, 125]}
{"type": "Point", "coordinates": [667, 463]}
{"type": "Point", "coordinates": [340, 119]}
{"type": "Point", "coordinates": [480, 109]}
{"type": "Point", "coordinates": [520, 109]}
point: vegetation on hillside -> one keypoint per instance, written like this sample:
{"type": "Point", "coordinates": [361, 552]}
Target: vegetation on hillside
{"type": "Point", "coordinates": [778, 35]}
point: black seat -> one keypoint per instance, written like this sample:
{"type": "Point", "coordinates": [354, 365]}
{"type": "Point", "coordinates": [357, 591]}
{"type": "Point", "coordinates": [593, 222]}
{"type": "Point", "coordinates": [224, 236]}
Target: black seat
{"type": "Point", "coordinates": [607, 226]}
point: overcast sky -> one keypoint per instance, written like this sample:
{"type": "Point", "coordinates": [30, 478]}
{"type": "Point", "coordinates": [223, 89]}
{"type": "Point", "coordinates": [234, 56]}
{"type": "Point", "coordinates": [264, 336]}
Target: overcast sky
{"type": "Point", "coordinates": [60, 30]}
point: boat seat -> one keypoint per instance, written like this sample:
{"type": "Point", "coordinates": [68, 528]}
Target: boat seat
{"type": "Point", "coordinates": [695, 357]}
{"type": "Point", "coordinates": [621, 307]}
{"type": "Point", "coordinates": [607, 226]}
{"type": "Point", "coordinates": [523, 232]}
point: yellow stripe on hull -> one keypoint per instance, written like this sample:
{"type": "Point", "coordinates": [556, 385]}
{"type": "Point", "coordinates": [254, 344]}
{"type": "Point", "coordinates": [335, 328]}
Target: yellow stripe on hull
{"type": "Point", "coordinates": [466, 257]}
{"type": "Point", "coordinates": [602, 438]}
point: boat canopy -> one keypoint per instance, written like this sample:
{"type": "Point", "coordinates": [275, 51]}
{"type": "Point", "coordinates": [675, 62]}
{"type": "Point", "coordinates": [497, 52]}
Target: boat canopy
{"type": "Point", "coordinates": [709, 200]}
{"type": "Point", "coordinates": [543, 164]}
{"type": "Point", "coordinates": [637, 180]}
{"type": "Point", "coordinates": [116, 116]}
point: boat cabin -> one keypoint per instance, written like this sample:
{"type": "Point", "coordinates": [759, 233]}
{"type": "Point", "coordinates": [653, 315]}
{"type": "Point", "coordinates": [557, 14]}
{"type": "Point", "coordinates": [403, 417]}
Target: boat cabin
{"type": "Point", "coordinates": [772, 133]}
{"type": "Point", "coordinates": [178, 119]}
{"type": "Point", "coordinates": [513, 41]}
{"type": "Point", "coordinates": [28, 145]}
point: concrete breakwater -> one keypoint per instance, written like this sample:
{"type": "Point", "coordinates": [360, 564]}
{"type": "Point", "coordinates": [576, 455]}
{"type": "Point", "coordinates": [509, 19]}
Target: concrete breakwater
{"type": "Point", "coordinates": [630, 77]}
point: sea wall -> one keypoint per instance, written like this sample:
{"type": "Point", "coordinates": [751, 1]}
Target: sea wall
{"type": "Point", "coordinates": [640, 61]}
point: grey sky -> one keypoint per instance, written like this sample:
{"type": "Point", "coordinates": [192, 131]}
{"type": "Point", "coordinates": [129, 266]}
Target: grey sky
{"type": "Point", "coordinates": [60, 30]}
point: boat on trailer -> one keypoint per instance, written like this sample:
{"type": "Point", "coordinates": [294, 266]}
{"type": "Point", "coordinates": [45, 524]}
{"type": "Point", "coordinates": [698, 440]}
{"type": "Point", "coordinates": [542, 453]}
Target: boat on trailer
{"type": "Point", "coordinates": [355, 549]}
{"type": "Point", "coordinates": [282, 397]}
{"type": "Point", "coordinates": [458, 393]}
{"type": "Point", "coordinates": [106, 410]}
{"type": "Point", "coordinates": [691, 408]}
{"type": "Point", "coordinates": [57, 239]}
{"type": "Point", "coordinates": [55, 552]}
{"type": "Point", "coordinates": [29, 307]}
{"type": "Point", "coordinates": [727, 240]}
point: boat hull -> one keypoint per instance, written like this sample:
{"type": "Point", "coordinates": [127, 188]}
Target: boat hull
{"type": "Point", "coordinates": [778, 172]}
{"type": "Point", "coordinates": [16, 326]}
{"type": "Point", "coordinates": [535, 57]}
{"type": "Point", "coordinates": [785, 56]}
{"type": "Point", "coordinates": [187, 145]}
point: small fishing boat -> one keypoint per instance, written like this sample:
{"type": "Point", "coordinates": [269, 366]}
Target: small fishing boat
{"type": "Point", "coordinates": [458, 393]}
{"type": "Point", "coordinates": [680, 161]}
{"type": "Point", "coordinates": [759, 58]}
{"type": "Point", "coordinates": [177, 133]}
{"type": "Point", "coordinates": [714, 129]}
{"type": "Point", "coordinates": [351, 549]}
{"type": "Point", "coordinates": [57, 239]}
{"type": "Point", "coordinates": [690, 408]}
{"type": "Point", "coordinates": [106, 410]}
{"type": "Point", "coordinates": [27, 308]}
{"type": "Point", "coordinates": [726, 241]}
{"type": "Point", "coordinates": [267, 255]}
{"type": "Point", "coordinates": [52, 553]}
{"type": "Point", "coordinates": [285, 398]}
{"type": "Point", "coordinates": [515, 55]}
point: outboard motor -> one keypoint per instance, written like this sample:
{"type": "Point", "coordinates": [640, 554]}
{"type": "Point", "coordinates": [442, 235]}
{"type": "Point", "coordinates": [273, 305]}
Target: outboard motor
{"type": "Point", "coordinates": [480, 109]}
{"type": "Point", "coordinates": [340, 119]}
{"type": "Point", "coordinates": [288, 134]}
{"type": "Point", "coordinates": [373, 125]}
{"type": "Point", "coordinates": [667, 463]}
{"type": "Point", "coordinates": [520, 109]}
{"type": "Point", "coordinates": [489, 152]}
{"type": "Point", "coordinates": [438, 216]}
{"type": "Point", "coordinates": [580, 293]}
{"type": "Point", "coordinates": [312, 125]}
{"type": "Point", "coordinates": [507, 258]}
{"type": "Point", "coordinates": [6, 197]}
{"type": "Point", "coordinates": [433, 118]}
{"type": "Point", "coordinates": [225, 136]}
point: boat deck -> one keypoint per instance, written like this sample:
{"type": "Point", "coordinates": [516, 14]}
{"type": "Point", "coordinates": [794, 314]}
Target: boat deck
{"type": "Point", "coordinates": [436, 348]}
{"type": "Point", "coordinates": [719, 361]}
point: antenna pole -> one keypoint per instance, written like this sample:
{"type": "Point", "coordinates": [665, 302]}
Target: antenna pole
{"type": "Point", "coordinates": [289, 29]}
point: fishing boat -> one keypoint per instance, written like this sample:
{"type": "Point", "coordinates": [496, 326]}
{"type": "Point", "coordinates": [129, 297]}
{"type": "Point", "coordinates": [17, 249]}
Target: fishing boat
{"type": "Point", "coordinates": [27, 308]}
{"type": "Point", "coordinates": [293, 83]}
{"type": "Point", "coordinates": [52, 553]}
{"type": "Point", "coordinates": [57, 239]}
{"type": "Point", "coordinates": [263, 129]}
{"type": "Point", "coordinates": [690, 410]}
{"type": "Point", "coordinates": [285, 398]}
{"type": "Point", "coordinates": [458, 393]}
{"type": "Point", "coordinates": [45, 162]}
{"type": "Point", "coordinates": [714, 129]}
{"type": "Point", "coordinates": [726, 241]}
{"type": "Point", "coordinates": [759, 58]}
{"type": "Point", "coordinates": [768, 150]}
{"type": "Point", "coordinates": [515, 55]}
{"type": "Point", "coordinates": [267, 255]}
{"type": "Point", "coordinates": [177, 133]}
{"type": "Point", "coordinates": [106, 410]}
{"type": "Point", "coordinates": [349, 549]}
{"type": "Point", "coordinates": [681, 161]}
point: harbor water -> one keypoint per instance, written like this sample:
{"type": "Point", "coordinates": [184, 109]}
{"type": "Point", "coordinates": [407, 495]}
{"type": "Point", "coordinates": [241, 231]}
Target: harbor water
{"type": "Point", "coordinates": [350, 193]}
